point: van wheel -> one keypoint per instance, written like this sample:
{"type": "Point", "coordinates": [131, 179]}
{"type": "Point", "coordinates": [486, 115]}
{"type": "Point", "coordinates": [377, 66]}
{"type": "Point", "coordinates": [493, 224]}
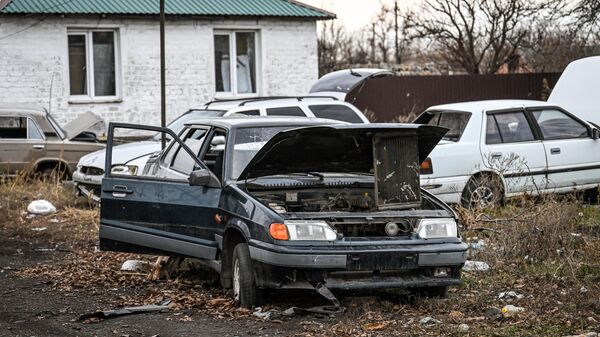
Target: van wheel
{"type": "Point", "coordinates": [483, 191]}
{"type": "Point", "coordinates": [245, 291]}
{"type": "Point", "coordinates": [432, 292]}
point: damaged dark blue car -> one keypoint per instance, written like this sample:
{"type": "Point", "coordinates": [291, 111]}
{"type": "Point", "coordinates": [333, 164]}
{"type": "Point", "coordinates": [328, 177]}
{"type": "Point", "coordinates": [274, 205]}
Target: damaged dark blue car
{"type": "Point", "coordinates": [289, 203]}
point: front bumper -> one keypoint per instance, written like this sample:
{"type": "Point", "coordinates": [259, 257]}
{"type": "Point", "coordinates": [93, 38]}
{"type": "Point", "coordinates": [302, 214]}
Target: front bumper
{"type": "Point", "coordinates": [88, 185]}
{"type": "Point", "coordinates": [447, 189]}
{"type": "Point", "coordinates": [359, 267]}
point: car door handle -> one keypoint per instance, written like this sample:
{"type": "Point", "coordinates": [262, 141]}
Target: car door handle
{"type": "Point", "coordinates": [119, 191]}
{"type": "Point", "coordinates": [555, 150]}
{"type": "Point", "coordinates": [496, 155]}
{"type": "Point", "coordinates": [39, 146]}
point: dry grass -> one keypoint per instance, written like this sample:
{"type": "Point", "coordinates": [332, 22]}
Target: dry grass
{"type": "Point", "coordinates": [546, 250]}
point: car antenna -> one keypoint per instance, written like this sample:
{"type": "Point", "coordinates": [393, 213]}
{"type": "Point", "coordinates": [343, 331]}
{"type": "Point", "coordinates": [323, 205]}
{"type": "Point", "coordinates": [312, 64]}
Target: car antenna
{"type": "Point", "coordinates": [50, 95]}
{"type": "Point", "coordinates": [354, 73]}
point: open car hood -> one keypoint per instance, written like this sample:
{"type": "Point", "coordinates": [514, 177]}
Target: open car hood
{"type": "Point", "coordinates": [576, 89]}
{"type": "Point", "coordinates": [80, 124]}
{"type": "Point", "coordinates": [338, 148]}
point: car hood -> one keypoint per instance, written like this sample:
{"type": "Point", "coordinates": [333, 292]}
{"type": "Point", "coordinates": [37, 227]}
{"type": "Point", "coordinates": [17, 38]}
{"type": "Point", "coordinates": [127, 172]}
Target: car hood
{"type": "Point", "coordinates": [80, 124]}
{"type": "Point", "coordinates": [121, 154]}
{"type": "Point", "coordinates": [339, 148]}
{"type": "Point", "coordinates": [576, 89]}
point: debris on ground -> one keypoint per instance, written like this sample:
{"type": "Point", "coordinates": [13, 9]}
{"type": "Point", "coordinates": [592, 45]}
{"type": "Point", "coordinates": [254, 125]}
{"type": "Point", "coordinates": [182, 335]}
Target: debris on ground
{"type": "Point", "coordinates": [511, 310]}
{"type": "Point", "coordinates": [585, 334]}
{"type": "Point", "coordinates": [475, 266]}
{"type": "Point", "coordinates": [161, 307]}
{"type": "Point", "coordinates": [41, 207]}
{"type": "Point", "coordinates": [509, 296]}
{"type": "Point", "coordinates": [135, 266]}
{"type": "Point", "coordinates": [429, 321]}
{"type": "Point", "coordinates": [374, 326]}
{"type": "Point", "coordinates": [492, 313]}
{"type": "Point", "coordinates": [39, 229]}
{"type": "Point", "coordinates": [463, 327]}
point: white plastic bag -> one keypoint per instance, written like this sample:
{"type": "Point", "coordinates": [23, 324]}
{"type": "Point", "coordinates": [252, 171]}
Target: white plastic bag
{"type": "Point", "coordinates": [41, 207]}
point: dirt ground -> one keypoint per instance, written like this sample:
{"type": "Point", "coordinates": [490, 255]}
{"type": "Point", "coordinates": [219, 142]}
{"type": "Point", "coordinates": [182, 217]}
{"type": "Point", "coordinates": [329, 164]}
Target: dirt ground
{"type": "Point", "coordinates": [49, 277]}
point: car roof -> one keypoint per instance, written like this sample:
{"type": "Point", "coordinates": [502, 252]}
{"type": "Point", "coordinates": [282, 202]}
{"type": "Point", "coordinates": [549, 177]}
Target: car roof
{"type": "Point", "coordinates": [231, 122]}
{"type": "Point", "coordinates": [21, 108]}
{"type": "Point", "coordinates": [487, 105]}
{"type": "Point", "coordinates": [275, 101]}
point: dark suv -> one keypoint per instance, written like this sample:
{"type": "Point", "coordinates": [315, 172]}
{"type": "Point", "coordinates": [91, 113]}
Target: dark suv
{"type": "Point", "coordinates": [289, 203]}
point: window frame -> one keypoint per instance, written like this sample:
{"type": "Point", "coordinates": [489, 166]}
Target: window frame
{"type": "Point", "coordinates": [231, 32]}
{"type": "Point", "coordinates": [530, 110]}
{"type": "Point", "coordinates": [169, 162]}
{"type": "Point", "coordinates": [91, 97]}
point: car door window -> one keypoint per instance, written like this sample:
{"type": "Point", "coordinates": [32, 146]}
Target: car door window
{"type": "Point", "coordinates": [513, 127]}
{"type": "Point", "coordinates": [33, 132]}
{"type": "Point", "coordinates": [555, 124]}
{"type": "Point", "coordinates": [492, 134]}
{"type": "Point", "coordinates": [215, 153]}
{"type": "Point", "coordinates": [286, 111]}
{"type": "Point", "coordinates": [335, 111]}
{"type": "Point", "coordinates": [183, 162]}
{"type": "Point", "coordinates": [13, 127]}
{"type": "Point", "coordinates": [249, 112]}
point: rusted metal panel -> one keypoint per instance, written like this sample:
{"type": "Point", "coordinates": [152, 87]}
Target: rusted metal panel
{"type": "Point", "coordinates": [400, 98]}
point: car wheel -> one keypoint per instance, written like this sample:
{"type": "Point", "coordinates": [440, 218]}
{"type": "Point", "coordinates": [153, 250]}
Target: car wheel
{"type": "Point", "coordinates": [245, 291]}
{"type": "Point", "coordinates": [432, 292]}
{"type": "Point", "coordinates": [483, 191]}
{"type": "Point", "coordinates": [52, 174]}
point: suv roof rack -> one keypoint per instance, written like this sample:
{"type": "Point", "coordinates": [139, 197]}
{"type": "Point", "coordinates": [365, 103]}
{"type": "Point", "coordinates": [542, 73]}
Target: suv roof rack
{"type": "Point", "coordinates": [244, 101]}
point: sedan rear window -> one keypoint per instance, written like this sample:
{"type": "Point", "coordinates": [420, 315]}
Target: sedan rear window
{"type": "Point", "coordinates": [335, 111]}
{"type": "Point", "coordinates": [456, 121]}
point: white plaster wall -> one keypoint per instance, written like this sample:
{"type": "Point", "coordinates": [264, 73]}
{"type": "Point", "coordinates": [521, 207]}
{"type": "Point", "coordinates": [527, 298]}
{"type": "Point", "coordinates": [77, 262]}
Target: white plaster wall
{"type": "Point", "coordinates": [33, 58]}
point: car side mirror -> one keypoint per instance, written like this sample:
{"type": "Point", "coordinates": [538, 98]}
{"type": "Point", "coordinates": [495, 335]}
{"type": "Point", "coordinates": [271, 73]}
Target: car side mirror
{"type": "Point", "coordinates": [204, 178]}
{"type": "Point", "coordinates": [595, 133]}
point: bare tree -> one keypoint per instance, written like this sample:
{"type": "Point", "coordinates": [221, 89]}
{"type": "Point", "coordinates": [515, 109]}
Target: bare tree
{"type": "Point", "coordinates": [332, 47]}
{"type": "Point", "coordinates": [478, 36]}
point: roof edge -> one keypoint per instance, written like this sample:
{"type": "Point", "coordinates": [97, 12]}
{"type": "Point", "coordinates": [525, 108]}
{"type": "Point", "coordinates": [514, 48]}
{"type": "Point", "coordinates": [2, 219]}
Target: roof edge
{"type": "Point", "coordinates": [4, 3]}
{"type": "Point", "coordinates": [329, 15]}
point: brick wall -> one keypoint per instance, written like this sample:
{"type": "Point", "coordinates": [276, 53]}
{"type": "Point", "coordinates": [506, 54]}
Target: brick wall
{"type": "Point", "coordinates": [36, 59]}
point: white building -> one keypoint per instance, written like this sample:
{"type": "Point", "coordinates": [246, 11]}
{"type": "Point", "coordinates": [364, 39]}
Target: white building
{"type": "Point", "coordinates": [103, 55]}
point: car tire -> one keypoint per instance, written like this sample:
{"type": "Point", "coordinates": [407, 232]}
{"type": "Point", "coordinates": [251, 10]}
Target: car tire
{"type": "Point", "coordinates": [483, 191]}
{"type": "Point", "coordinates": [245, 291]}
{"type": "Point", "coordinates": [432, 292]}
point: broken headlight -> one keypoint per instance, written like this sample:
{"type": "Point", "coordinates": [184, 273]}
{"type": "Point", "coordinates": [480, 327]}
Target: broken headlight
{"type": "Point", "coordinates": [304, 230]}
{"type": "Point", "coordinates": [437, 228]}
{"type": "Point", "coordinates": [127, 170]}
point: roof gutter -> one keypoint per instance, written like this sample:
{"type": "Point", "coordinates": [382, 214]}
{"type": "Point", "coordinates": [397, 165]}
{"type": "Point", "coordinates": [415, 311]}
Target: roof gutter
{"type": "Point", "coordinates": [4, 3]}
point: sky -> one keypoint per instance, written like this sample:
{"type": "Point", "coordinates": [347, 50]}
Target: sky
{"type": "Point", "coordinates": [354, 14]}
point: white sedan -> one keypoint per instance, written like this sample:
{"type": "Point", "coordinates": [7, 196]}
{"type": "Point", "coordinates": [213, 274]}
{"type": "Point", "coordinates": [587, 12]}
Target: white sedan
{"type": "Point", "coordinates": [503, 148]}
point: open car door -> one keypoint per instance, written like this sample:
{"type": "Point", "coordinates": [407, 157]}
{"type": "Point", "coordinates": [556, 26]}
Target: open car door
{"type": "Point", "coordinates": [145, 214]}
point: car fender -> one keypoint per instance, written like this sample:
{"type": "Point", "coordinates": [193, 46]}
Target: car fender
{"type": "Point", "coordinates": [47, 160]}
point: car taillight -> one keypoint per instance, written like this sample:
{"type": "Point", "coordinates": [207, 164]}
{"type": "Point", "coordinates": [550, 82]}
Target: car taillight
{"type": "Point", "coordinates": [426, 167]}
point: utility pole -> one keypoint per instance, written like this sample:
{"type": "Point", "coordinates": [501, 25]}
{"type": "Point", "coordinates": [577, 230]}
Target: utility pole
{"type": "Point", "coordinates": [163, 103]}
{"type": "Point", "coordinates": [396, 29]}
{"type": "Point", "coordinates": [373, 43]}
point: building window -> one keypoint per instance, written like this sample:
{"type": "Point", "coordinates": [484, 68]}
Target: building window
{"type": "Point", "coordinates": [237, 77]}
{"type": "Point", "coordinates": [93, 70]}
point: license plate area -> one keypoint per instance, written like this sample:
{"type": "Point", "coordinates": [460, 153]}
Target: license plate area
{"type": "Point", "coordinates": [381, 261]}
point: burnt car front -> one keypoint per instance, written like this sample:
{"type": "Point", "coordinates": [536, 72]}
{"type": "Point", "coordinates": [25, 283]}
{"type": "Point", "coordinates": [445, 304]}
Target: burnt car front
{"type": "Point", "coordinates": [341, 206]}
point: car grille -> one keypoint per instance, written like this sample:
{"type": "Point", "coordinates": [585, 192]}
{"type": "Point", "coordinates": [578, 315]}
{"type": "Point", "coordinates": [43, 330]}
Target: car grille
{"type": "Point", "coordinates": [92, 171]}
{"type": "Point", "coordinates": [355, 229]}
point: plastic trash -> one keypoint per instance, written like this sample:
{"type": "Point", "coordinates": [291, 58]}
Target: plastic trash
{"type": "Point", "coordinates": [135, 266]}
{"type": "Point", "coordinates": [41, 207]}
{"type": "Point", "coordinates": [511, 310]}
{"type": "Point", "coordinates": [475, 266]}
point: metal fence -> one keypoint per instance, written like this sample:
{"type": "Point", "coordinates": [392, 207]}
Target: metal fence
{"type": "Point", "coordinates": [400, 98]}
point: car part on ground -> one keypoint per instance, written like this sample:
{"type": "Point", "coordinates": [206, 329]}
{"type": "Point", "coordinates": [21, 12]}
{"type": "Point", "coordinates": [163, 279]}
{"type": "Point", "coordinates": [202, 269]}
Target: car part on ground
{"type": "Point", "coordinates": [289, 203]}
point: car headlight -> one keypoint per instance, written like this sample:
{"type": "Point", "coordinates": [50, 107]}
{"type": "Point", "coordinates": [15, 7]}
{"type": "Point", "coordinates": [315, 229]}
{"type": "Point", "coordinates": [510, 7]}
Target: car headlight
{"type": "Point", "coordinates": [302, 230]}
{"type": "Point", "coordinates": [437, 228]}
{"type": "Point", "coordinates": [128, 170]}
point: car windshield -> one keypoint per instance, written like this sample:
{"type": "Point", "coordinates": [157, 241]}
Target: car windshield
{"type": "Point", "coordinates": [177, 125]}
{"type": "Point", "coordinates": [456, 121]}
{"type": "Point", "coordinates": [248, 141]}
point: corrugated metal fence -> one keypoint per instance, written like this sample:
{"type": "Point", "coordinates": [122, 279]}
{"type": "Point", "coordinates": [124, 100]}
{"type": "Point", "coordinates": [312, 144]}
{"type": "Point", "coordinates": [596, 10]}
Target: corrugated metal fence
{"type": "Point", "coordinates": [400, 98]}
